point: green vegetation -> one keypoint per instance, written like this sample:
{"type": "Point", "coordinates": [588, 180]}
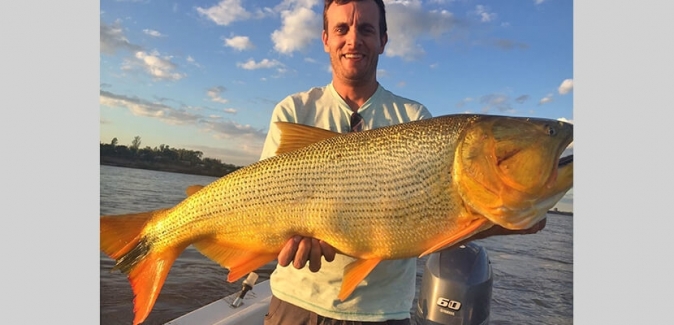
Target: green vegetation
{"type": "Point", "coordinates": [162, 158]}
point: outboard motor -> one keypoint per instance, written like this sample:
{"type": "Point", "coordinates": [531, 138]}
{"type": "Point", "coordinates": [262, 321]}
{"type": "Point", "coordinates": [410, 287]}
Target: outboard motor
{"type": "Point", "coordinates": [456, 287]}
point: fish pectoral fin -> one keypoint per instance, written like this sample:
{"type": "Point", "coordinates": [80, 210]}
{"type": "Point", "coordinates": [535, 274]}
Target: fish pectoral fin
{"type": "Point", "coordinates": [473, 227]}
{"type": "Point", "coordinates": [193, 189]}
{"type": "Point", "coordinates": [147, 278]}
{"type": "Point", "coordinates": [354, 273]}
{"type": "Point", "coordinates": [295, 136]}
{"type": "Point", "coordinates": [238, 261]}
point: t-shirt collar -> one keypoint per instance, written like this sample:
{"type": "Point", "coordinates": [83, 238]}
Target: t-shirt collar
{"type": "Point", "coordinates": [344, 106]}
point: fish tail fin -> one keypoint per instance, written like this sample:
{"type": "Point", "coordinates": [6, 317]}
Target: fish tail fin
{"type": "Point", "coordinates": [122, 240]}
{"type": "Point", "coordinates": [147, 278]}
{"type": "Point", "coordinates": [120, 233]}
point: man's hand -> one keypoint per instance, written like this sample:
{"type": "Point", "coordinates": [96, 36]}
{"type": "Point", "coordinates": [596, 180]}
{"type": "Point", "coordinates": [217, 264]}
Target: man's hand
{"type": "Point", "coordinates": [300, 249]}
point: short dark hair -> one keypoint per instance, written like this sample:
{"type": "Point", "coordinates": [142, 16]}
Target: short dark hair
{"type": "Point", "coordinates": [380, 4]}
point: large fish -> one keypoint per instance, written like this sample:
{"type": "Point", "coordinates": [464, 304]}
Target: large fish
{"type": "Point", "coordinates": [394, 192]}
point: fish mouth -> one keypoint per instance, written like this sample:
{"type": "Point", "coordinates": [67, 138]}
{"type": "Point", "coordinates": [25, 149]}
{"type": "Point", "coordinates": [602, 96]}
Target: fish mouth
{"type": "Point", "coordinates": [563, 161]}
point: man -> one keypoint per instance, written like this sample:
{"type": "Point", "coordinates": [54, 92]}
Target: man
{"type": "Point", "coordinates": [354, 34]}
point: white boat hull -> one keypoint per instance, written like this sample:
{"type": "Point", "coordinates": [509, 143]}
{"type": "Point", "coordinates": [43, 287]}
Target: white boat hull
{"type": "Point", "coordinates": [220, 312]}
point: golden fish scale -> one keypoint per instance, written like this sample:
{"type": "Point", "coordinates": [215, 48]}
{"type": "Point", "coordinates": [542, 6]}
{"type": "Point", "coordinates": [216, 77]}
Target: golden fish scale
{"type": "Point", "coordinates": [386, 193]}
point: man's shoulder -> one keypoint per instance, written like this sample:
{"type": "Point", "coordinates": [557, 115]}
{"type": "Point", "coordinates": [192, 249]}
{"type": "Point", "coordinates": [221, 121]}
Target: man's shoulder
{"type": "Point", "coordinates": [301, 102]}
{"type": "Point", "coordinates": [387, 95]}
{"type": "Point", "coordinates": [412, 108]}
{"type": "Point", "coordinates": [311, 93]}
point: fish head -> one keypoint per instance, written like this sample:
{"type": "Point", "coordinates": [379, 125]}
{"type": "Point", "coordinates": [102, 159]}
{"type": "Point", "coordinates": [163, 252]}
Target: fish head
{"type": "Point", "coordinates": [509, 170]}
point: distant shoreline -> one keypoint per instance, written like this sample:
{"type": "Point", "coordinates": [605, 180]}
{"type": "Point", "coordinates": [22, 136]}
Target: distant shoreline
{"type": "Point", "coordinates": [171, 168]}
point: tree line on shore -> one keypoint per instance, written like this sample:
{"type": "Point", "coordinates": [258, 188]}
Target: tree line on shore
{"type": "Point", "coordinates": [162, 158]}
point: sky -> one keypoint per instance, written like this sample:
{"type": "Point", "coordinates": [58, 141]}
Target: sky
{"type": "Point", "coordinates": [206, 75]}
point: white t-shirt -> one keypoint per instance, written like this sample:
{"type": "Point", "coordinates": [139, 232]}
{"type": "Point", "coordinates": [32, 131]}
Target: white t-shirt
{"type": "Point", "coordinates": [388, 291]}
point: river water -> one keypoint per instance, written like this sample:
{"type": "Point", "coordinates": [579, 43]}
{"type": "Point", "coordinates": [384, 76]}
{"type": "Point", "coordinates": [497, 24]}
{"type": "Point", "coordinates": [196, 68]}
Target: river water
{"type": "Point", "coordinates": [533, 274]}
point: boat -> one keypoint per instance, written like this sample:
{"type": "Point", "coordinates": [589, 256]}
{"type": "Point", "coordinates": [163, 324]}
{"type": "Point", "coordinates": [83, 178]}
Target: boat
{"type": "Point", "coordinates": [247, 310]}
{"type": "Point", "coordinates": [456, 289]}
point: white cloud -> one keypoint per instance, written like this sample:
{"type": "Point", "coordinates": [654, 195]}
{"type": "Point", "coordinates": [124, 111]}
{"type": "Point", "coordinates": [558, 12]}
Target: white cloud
{"type": "Point", "coordinates": [300, 26]}
{"type": "Point", "coordinates": [408, 23]}
{"type": "Point", "coordinates": [152, 33]}
{"type": "Point", "coordinates": [463, 102]}
{"type": "Point", "coordinates": [160, 68]}
{"type": "Point", "coordinates": [142, 107]}
{"type": "Point", "coordinates": [545, 100]}
{"type": "Point", "coordinates": [498, 101]}
{"type": "Point", "coordinates": [482, 12]}
{"type": "Point", "coordinates": [112, 39]}
{"type": "Point", "coordinates": [537, 2]}
{"type": "Point", "coordinates": [489, 102]}
{"type": "Point", "coordinates": [225, 12]}
{"type": "Point", "coordinates": [264, 64]}
{"type": "Point", "coordinates": [240, 43]}
{"type": "Point", "coordinates": [192, 61]}
{"type": "Point", "coordinates": [215, 92]}
{"type": "Point", "coordinates": [521, 99]}
{"type": "Point", "coordinates": [181, 116]}
{"type": "Point", "coordinates": [229, 11]}
{"type": "Point", "coordinates": [566, 86]}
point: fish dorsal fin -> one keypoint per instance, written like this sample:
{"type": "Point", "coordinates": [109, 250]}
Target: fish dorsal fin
{"type": "Point", "coordinates": [193, 189]}
{"type": "Point", "coordinates": [296, 136]}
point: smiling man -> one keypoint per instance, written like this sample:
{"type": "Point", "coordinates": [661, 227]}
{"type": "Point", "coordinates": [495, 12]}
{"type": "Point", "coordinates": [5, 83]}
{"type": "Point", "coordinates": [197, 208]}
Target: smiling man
{"type": "Point", "coordinates": [354, 35]}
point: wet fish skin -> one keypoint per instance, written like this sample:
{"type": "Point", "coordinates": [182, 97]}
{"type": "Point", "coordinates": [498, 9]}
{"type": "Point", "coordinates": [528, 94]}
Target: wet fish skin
{"type": "Point", "coordinates": [394, 192]}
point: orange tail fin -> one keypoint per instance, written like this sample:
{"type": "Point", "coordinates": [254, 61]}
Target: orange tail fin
{"type": "Point", "coordinates": [119, 234]}
{"type": "Point", "coordinates": [147, 279]}
{"type": "Point", "coordinates": [146, 267]}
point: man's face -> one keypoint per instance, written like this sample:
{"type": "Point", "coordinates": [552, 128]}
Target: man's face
{"type": "Point", "coordinates": [352, 39]}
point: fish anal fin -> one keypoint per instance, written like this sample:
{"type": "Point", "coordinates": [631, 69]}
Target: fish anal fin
{"type": "Point", "coordinates": [296, 136]}
{"type": "Point", "coordinates": [147, 278]}
{"type": "Point", "coordinates": [193, 189]}
{"type": "Point", "coordinates": [238, 261]}
{"type": "Point", "coordinates": [472, 228]}
{"type": "Point", "coordinates": [354, 273]}
{"type": "Point", "coordinates": [120, 233]}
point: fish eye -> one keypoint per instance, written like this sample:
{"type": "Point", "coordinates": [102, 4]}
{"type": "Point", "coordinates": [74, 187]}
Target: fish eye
{"type": "Point", "coordinates": [550, 130]}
